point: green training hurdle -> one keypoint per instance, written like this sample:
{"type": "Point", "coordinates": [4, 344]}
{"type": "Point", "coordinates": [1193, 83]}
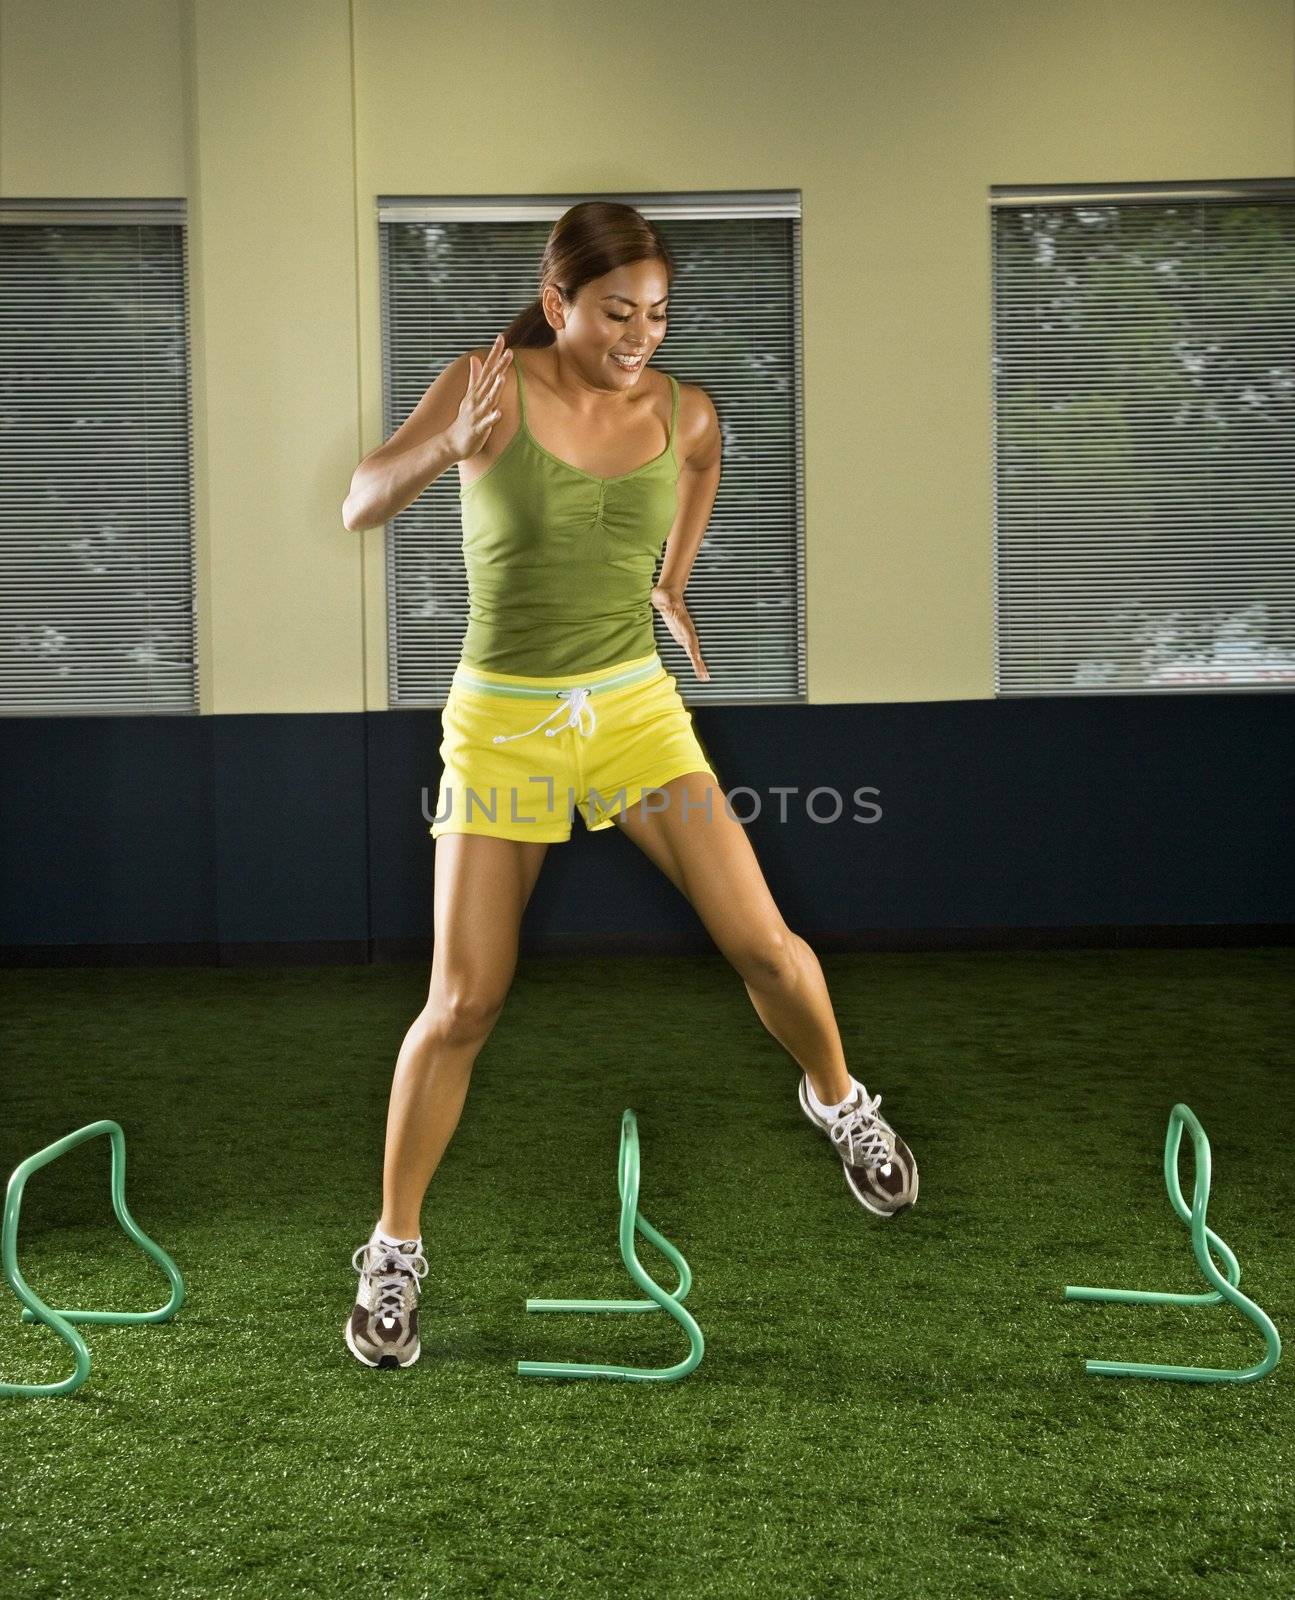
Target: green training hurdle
{"type": "Point", "coordinates": [60, 1321]}
{"type": "Point", "coordinates": [627, 1182]}
{"type": "Point", "coordinates": [1202, 1238]}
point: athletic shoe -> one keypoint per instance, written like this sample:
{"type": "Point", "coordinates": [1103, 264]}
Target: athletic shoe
{"type": "Point", "coordinates": [879, 1166]}
{"type": "Point", "coordinates": [382, 1329]}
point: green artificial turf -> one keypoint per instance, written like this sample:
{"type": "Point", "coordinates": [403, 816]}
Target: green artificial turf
{"type": "Point", "coordinates": [897, 1407]}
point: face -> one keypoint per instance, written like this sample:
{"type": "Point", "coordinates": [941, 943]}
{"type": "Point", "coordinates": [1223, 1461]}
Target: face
{"type": "Point", "coordinates": [622, 313]}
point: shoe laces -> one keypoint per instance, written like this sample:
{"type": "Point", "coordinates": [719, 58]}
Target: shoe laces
{"type": "Point", "coordinates": [390, 1273]}
{"type": "Point", "coordinates": [864, 1138]}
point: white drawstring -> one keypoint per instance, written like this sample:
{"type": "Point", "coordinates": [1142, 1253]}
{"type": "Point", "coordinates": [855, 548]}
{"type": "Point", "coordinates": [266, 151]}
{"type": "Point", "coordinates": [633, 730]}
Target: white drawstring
{"type": "Point", "coordinates": [575, 714]}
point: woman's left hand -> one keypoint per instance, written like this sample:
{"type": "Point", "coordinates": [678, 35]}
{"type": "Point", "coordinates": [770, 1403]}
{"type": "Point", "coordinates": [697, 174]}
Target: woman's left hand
{"type": "Point", "coordinates": [680, 624]}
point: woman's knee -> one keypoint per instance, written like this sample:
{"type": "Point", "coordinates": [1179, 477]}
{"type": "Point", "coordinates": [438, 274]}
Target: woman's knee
{"type": "Point", "coordinates": [461, 1015]}
{"type": "Point", "coordinates": [768, 956]}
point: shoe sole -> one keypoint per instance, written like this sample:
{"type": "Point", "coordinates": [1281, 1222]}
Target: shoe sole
{"type": "Point", "coordinates": [877, 1211]}
{"type": "Point", "coordinates": [382, 1361]}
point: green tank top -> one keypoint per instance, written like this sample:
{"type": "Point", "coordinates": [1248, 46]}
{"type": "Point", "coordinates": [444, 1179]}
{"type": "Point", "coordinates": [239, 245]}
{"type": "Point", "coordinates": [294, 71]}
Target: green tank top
{"type": "Point", "coordinates": [559, 562]}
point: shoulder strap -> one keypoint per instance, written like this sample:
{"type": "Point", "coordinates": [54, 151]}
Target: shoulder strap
{"type": "Point", "coordinates": [674, 410]}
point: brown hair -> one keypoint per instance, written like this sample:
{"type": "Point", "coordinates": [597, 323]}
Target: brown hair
{"type": "Point", "coordinates": [587, 240]}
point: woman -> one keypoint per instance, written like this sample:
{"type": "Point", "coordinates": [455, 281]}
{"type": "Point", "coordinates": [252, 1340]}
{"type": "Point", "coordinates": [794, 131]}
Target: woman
{"type": "Point", "coordinates": [560, 702]}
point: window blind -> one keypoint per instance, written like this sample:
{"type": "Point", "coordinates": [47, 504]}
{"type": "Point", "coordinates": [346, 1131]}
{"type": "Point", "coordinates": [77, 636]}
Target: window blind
{"type": "Point", "coordinates": [1144, 438]}
{"type": "Point", "coordinates": [96, 490]}
{"type": "Point", "coordinates": [456, 271]}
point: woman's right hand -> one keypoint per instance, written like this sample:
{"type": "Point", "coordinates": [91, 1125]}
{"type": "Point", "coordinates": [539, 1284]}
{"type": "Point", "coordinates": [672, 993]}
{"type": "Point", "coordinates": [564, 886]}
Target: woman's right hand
{"type": "Point", "coordinates": [477, 410]}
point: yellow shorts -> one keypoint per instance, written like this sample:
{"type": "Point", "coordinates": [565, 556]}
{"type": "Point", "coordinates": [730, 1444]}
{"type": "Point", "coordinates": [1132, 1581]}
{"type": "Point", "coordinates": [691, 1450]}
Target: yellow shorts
{"type": "Point", "coordinates": [522, 754]}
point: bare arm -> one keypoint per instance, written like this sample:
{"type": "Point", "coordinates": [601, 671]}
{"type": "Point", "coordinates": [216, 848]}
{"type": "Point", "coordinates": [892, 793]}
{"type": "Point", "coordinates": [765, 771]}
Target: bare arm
{"type": "Point", "coordinates": [450, 423]}
{"type": "Point", "coordinates": [383, 485]}
{"type": "Point", "coordinates": [698, 486]}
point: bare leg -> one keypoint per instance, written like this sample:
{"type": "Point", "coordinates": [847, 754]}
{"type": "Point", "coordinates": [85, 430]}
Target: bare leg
{"type": "Point", "coordinates": [481, 889]}
{"type": "Point", "coordinates": [711, 862]}
{"type": "Point", "coordinates": [794, 1005]}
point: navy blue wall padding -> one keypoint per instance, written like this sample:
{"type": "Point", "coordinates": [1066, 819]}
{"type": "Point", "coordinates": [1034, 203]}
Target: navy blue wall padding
{"type": "Point", "coordinates": [230, 833]}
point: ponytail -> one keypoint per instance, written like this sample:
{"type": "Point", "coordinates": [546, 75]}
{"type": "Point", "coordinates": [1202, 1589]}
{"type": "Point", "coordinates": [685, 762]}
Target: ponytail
{"type": "Point", "coordinates": [529, 329]}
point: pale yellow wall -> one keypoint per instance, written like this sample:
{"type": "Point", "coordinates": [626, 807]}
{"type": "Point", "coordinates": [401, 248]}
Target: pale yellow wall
{"type": "Point", "coordinates": [281, 121]}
